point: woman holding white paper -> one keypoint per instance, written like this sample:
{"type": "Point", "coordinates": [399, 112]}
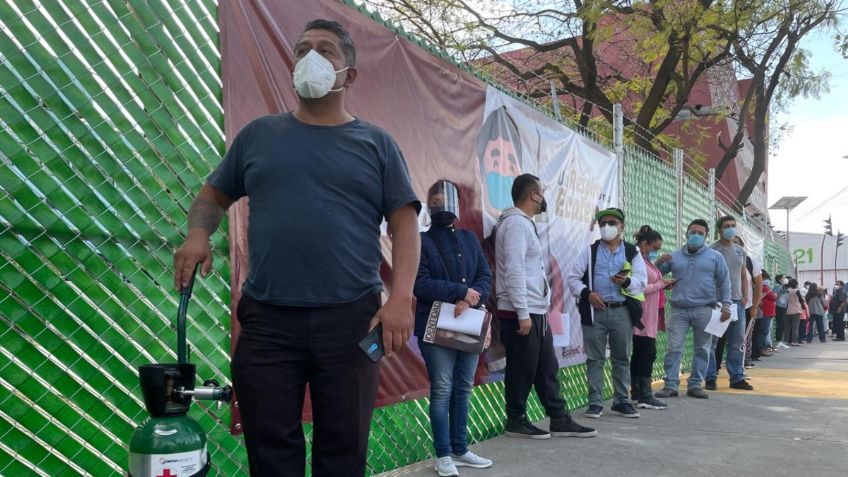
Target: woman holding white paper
{"type": "Point", "coordinates": [452, 270]}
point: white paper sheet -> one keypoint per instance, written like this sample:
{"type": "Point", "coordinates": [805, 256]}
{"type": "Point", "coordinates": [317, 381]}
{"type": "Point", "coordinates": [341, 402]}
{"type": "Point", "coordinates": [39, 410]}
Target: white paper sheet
{"type": "Point", "coordinates": [734, 312]}
{"type": "Point", "coordinates": [470, 322]}
{"type": "Point", "coordinates": [716, 327]}
{"type": "Point", "coordinates": [564, 339]}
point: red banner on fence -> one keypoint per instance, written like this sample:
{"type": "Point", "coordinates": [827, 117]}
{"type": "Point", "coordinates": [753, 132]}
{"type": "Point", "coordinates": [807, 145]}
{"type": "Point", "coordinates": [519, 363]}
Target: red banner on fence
{"type": "Point", "coordinates": [449, 125]}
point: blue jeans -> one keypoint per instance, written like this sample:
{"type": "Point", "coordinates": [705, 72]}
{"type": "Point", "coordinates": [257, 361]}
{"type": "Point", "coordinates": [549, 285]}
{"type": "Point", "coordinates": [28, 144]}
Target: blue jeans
{"type": "Point", "coordinates": [451, 379]}
{"type": "Point", "coordinates": [735, 336]}
{"type": "Point", "coordinates": [765, 337]}
{"type": "Point", "coordinates": [676, 328]}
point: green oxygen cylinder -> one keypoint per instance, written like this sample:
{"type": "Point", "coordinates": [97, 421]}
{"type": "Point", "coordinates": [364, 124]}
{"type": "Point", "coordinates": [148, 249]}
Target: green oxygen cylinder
{"type": "Point", "coordinates": [169, 443]}
{"type": "Point", "coordinates": [171, 446]}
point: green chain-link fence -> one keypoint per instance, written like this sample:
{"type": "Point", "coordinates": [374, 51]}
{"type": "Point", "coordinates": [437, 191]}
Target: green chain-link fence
{"type": "Point", "coordinates": [110, 119]}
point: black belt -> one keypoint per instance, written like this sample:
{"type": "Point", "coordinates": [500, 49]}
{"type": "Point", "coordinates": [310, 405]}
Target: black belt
{"type": "Point", "coordinates": [616, 304]}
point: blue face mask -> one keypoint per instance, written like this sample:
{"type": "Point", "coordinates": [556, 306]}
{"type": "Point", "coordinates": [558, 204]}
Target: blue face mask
{"type": "Point", "coordinates": [653, 255]}
{"type": "Point", "coordinates": [728, 233]}
{"type": "Point", "coordinates": [767, 283]}
{"type": "Point", "coordinates": [695, 240]}
{"type": "Point", "coordinates": [500, 190]}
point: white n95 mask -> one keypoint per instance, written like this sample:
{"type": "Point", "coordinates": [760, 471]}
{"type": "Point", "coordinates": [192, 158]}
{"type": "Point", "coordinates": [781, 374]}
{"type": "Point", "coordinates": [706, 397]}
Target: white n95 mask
{"type": "Point", "coordinates": [609, 232]}
{"type": "Point", "coordinates": [314, 76]}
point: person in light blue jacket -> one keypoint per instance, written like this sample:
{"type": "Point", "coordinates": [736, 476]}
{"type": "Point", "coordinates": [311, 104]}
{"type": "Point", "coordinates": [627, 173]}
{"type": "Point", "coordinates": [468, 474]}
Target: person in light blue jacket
{"type": "Point", "coordinates": [701, 278]}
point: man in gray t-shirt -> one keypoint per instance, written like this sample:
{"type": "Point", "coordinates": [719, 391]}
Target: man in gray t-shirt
{"type": "Point", "coordinates": [734, 257]}
{"type": "Point", "coordinates": [319, 183]}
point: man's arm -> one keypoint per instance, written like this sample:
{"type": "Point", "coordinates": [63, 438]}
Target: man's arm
{"type": "Point", "coordinates": [575, 275]}
{"type": "Point", "coordinates": [512, 250]}
{"type": "Point", "coordinates": [723, 281]}
{"type": "Point", "coordinates": [744, 280]}
{"type": "Point", "coordinates": [396, 314]}
{"type": "Point", "coordinates": [638, 280]}
{"type": "Point", "coordinates": [758, 294]}
{"type": "Point", "coordinates": [663, 264]}
{"type": "Point", "coordinates": [204, 217]}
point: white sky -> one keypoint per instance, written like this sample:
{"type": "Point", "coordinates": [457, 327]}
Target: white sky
{"type": "Point", "coordinates": [810, 161]}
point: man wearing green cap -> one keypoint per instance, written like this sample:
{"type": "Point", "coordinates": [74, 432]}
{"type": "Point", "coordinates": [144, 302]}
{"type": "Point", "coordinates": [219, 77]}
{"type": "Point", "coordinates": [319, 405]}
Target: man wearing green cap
{"type": "Point", "coordinates": [608, 278]}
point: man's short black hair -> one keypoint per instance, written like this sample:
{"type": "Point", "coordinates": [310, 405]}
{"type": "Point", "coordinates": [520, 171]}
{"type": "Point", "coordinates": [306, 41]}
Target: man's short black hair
{"type": "Point", "coordinates": [701, 222]}
{"type": "Point", "coordinates": [348, 48]}
{"type": "Point", "coordinates": [523, 186]}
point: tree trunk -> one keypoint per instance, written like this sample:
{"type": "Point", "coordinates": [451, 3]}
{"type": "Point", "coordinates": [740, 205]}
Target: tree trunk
{"type": "Point", "coordinates": [760, 141]}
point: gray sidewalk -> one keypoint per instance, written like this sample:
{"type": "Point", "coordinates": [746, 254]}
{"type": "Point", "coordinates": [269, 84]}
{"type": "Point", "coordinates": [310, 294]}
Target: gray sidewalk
{"type": "Point", "coordinates": [795, 423]}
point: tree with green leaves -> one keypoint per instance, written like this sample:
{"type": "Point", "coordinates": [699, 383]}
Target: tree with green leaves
{"type": "Point", "coordinates": [766, 49]}
{"type": "Point", "coordinates": [648, 55]}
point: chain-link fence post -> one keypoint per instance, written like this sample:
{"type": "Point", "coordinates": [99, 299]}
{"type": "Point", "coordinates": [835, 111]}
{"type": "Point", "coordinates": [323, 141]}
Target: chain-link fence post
{"type": "Point", "coordinates": [678, 175]}
{"type": "Point", "coordinates": [618, 145]}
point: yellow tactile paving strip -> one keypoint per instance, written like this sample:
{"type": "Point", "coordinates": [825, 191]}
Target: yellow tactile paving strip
{"type": "Point", "coordinates": [799, 383]}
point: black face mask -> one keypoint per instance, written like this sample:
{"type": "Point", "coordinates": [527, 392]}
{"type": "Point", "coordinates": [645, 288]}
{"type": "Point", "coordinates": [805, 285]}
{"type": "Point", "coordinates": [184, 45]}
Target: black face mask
{"type": "Point", "coordinates": [442, 218]}
{"type": "Point", "coordinates": [543, 207]}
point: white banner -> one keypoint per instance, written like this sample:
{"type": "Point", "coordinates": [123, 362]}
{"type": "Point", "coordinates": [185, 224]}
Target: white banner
{"type": "Point", "coordinates": [579, 176]}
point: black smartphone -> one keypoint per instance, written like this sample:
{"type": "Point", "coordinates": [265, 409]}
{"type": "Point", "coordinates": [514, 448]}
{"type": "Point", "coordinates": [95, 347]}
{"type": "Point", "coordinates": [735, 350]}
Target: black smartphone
{"type": "Point", "coordinates": [372, 344]}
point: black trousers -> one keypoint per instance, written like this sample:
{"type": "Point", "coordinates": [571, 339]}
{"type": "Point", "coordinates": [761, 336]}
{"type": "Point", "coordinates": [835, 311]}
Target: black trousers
{"type": "Point", "coordinates": [644, 355]}
{"type": "Point", "coordinates": [839, 325]}
{"type": "Point", "coordinates": [756, 344]}
{"type": "Point", "coordinates": [818, 322]}
{"type": "Point", "coordinates": [280, 350]}
{"type": "Point", "coordinates": [781, 322]}
{"type": "Point", "coordinates": [531, 361]}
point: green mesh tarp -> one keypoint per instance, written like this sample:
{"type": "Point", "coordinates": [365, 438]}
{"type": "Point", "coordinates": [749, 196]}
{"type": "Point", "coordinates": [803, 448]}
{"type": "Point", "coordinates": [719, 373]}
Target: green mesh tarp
{"type": "Point", "coordinates": [110, 118]}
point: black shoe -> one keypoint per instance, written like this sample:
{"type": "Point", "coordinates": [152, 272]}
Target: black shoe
{"type": "Point", "coordinates": [697, 393]}
{"type": "Point", "coordinates": [566, 427]}
{"type": "Point", "coordinates": [650, 402]}
{"type": "Point", "coordinates": [710, 385]}
{"type": "Point", "coordinates": [666, 393]}
{"type": "Point", "coordinates": [521, 427]}
{"type": "Point", "coordinates": [624, 409]}
{"type": "Point", "coordinates": [743, 385]}
{"type": "Point", "coordinates": [594, 411]}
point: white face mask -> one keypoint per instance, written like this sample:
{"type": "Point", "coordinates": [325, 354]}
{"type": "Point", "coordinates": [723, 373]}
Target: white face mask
{"type": "Point", "coordinates": [785, 281]}
{"type": "Point", "coordinates": [314, 76]}
{"type": "Point", "coordinates": [609, 232]}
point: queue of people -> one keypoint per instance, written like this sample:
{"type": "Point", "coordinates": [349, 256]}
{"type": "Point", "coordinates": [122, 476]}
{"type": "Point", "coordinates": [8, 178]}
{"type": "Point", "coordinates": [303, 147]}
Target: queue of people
{"type": "Point", "coordinates": [313, 289]}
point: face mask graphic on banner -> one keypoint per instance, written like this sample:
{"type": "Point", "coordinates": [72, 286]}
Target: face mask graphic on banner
{"type": "Point", "coordinates": [314, 76]}
{"type": "Point", "coordinates": [443, 203]}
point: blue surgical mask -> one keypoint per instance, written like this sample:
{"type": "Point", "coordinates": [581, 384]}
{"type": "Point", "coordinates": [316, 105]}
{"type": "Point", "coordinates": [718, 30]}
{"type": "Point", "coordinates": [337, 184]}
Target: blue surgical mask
{"type": "Point", "coordinates": [767, 283]}
{"type": "Point", "coordinates": [653, 255]}
{"type": "Point", "coordinates": [728, 233]}
{"type": "Point", "coordinates": [695, 240]}
{"type": "Point", "coordinates": [500, 190]}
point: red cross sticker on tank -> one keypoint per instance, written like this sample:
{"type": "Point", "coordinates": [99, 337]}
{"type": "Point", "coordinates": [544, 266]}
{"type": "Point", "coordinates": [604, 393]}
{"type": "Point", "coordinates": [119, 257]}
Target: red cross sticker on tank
{"type": "Point", "coordinates": [167, 473]}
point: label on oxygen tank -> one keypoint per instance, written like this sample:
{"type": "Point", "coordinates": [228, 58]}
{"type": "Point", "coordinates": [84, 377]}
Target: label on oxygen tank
{"type": "Point", "coordinates": [181, 464]}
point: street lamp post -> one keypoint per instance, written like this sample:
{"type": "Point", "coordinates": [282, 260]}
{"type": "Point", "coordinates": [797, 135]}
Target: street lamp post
{"type": "Point", "coordinates": [788, 203]}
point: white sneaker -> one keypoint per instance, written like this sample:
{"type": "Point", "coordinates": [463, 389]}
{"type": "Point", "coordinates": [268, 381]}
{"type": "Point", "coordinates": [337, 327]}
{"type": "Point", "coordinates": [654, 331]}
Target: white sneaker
{"type": "Point", "coordinates": [445, 467]}
{"type": "Point", "coordinates": [782, 345]}
{"type": "Point", "coordinates": [470, 459]}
